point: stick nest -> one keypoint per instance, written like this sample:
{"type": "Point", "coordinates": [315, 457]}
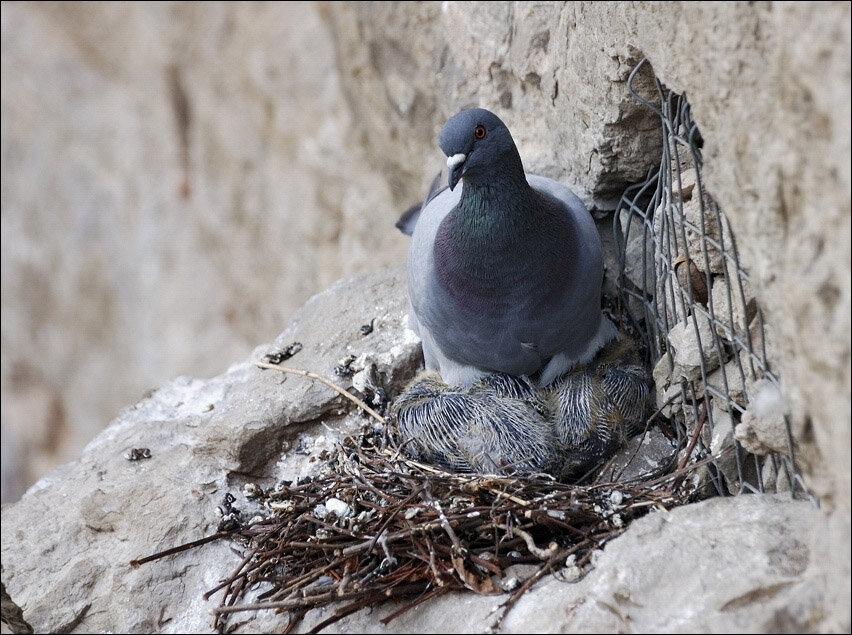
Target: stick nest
{"type": "Point", "coordinates": [375, 526]}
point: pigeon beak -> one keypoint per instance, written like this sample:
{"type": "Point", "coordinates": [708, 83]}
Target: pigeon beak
{"type": "Point", "coordinates": [455, 164]}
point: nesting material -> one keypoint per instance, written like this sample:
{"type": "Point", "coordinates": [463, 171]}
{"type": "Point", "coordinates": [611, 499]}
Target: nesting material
{"type": "Point", "coordinates": [374, 526]}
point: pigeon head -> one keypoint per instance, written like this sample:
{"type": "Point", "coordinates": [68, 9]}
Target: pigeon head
{"type": "Point", "coordinates": [476, 143]}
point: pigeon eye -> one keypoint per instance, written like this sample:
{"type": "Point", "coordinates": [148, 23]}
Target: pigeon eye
{"type": "Point", "coordinates": [479, 132]}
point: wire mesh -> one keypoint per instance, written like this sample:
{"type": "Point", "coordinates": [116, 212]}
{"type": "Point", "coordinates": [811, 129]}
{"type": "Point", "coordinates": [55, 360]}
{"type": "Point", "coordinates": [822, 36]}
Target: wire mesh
{"type": "Point", "coordinates": [683, 287]}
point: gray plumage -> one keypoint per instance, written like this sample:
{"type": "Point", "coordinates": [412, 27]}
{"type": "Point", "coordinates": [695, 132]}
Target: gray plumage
{"type": "Point", "coordinates": [504, 273]}
{"type": "Point", "coordinates": [505, 424]}
{"type": "Point", "coordinates": [595, 408]}
{"type": "Point", "coordinates": [498, 425]}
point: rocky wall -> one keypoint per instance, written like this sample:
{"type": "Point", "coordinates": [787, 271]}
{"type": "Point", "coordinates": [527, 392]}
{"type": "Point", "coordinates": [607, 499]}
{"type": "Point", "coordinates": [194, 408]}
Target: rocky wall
{"type": "Point", "coordinates": [178, 178]}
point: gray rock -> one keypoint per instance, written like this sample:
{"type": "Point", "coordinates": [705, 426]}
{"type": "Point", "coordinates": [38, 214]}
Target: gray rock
{"type": "Point", "coordinates": [706, 234]}
{"type": "Point", "coordinates": [763, 428]}
{"type": "Point", "coordinates": [68, 543]}
{"type": "Point", "coordinates": [726, 383]}
{"type": "Point", "coordinates": [193, 217]}
{"type": "Point", "coordinates": [725, 565]}
{"type": "Point", "coordinates": [332, 132]}
{"type": "Point", "coordinates": [206, 187]}
{"type": "Point", "coordinates": [639, 251]}
{"type": "Point", "coordinates": [733, 314]}
{"type": "Point", "coordinates": [694, 348]}
{"type": "Point", "coordinates": [83, 523]}
{"type": "Point", "coordinates": [643, 455]}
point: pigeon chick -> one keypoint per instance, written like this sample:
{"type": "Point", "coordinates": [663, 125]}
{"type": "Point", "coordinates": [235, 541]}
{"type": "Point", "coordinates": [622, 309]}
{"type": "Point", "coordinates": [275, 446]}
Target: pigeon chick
{"type": "Point", "coordinates": [505, 272]}
{"type": "Point", "coordinates": [596, 408]}
{"type": "Point", "coordinates": [505, 424]}
{"type": "Point", "coordinates": [499, 425]}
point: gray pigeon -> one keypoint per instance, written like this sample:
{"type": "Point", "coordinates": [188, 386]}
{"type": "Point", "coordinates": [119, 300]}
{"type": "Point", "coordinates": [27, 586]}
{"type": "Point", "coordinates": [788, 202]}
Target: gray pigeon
{"type": "Point", "coordinates": [504, 273]}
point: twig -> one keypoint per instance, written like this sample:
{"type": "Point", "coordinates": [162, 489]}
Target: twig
{"type": "Point", "coordinates": [538, 552]}
{"type": "Point", "coordinates": [464, 529]}
{"type": "Point", "coordinates": [327, 382]}
{"type": "Point", "coordinates": [189, 545]}
{"type": "Point", "coordinates": [696, 433]}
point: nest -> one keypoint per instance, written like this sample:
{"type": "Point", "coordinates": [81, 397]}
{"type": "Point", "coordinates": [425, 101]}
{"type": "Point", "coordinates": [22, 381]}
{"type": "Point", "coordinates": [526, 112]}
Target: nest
{"type": "Point", "coordinates": [375, 526]}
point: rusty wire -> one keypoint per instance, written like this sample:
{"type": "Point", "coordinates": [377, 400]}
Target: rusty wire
{"type": "Point", "coordinates": [671, 259]}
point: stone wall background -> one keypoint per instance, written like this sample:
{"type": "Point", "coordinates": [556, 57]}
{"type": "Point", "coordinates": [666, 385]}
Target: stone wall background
{"type": "Point", "coordinates": [179, 178]}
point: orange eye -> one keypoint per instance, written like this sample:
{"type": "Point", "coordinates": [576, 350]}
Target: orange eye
{"type": "Point", "coordinates": [479, 131]}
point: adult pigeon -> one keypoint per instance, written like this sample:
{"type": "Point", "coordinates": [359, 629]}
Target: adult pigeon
{"type": "Point", "coordinates": [504, 272]}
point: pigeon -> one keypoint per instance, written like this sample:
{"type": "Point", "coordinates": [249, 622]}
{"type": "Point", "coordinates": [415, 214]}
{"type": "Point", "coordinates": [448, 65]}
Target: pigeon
{"type": "Point", "coordinates": [510, 426]}
{"type": "Point", "coordinates": [595, 408]}
{"type": "Point", "coordinates": [498, 425]}
{"type": "Point", "coordinates": [504, 271]}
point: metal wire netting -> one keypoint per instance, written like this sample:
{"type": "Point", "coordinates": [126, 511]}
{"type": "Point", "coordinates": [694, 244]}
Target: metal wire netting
{"type": "Point", "coordinates": [682, 285]}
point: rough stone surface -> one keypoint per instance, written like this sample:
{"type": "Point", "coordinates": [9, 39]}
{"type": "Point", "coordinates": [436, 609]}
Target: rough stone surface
{"type": "Point", "coordinates": [733, 313]}
{"type": "Point", "coordinates": [67, 544]}
{"type": "Point", "coordinates": [205, 438]}
{"type": "Point", "coordinates": [693, 346]}
{"type": "Point", "coordinates": [747, 571]}
{"type": "Point", "coordinates": [748, 71]}
{"type": "Point", "coordinates": [193, 163]}
{"type": "Point", "coordinates": [177, 181]}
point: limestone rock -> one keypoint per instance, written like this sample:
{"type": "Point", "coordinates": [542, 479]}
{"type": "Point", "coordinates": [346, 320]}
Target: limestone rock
{"type": "Point", "coordinates": [177, 180]}
{"type": "Point", "coordinates": [765, 591]}
{"type": "Point", "coordinates": [727, 384]}
{"type": "Point", "coordinates": [639, 251]}
{"type": "Point", "coordinates": [763, 429]}
{"type": "Point", "coordinates": [694, 348]}
{"type": "Point", "coordinates": [67, 544]}
{"type": "Point", "coordinates": [643, 455]}
{"type": "Point", "coordinates": [321, 128]}
{"type": "Point", "coordinates": [734, 306]}
{"type": "Point", "coordinates": [204, 438]}
{"type": "Point", "coordinates": [705, 228]}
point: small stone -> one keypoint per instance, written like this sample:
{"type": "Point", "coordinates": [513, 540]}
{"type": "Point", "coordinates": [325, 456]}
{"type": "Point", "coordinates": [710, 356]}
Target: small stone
{"type": "Point", "coordinates": [775, 478]}
{"type": "Point", "coordinates": [691, 278]}
{"type": "Point", "coordinates": [642, 455]}
{"type": "Point", "coordinates": [571, 572]}
{"type": "Point", "coordinates": [688, 179]}
{"type": "Point", "coordinates": [338, 507]}
{"type": "Point", "coordinates": [722, 428]}
{"type": "Point", "coordinates": [763, 427]}
{"type": "Point", "coordinates": [252, 490]}
{"type": "Point", "coordinates": [726, 383]}
{"type": "Point", "coordinates": [411, 512]}
{"type": "Point", "coordinates": [698, 230]}
{"type": "Point", "coordinates": [694, 347]}
{"type": "Point", "coordinates": [638, 251]}
{"type": "Point", "coordinates": [662, 372]}
{"type": "Point", "coordinates": [733, 305]}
